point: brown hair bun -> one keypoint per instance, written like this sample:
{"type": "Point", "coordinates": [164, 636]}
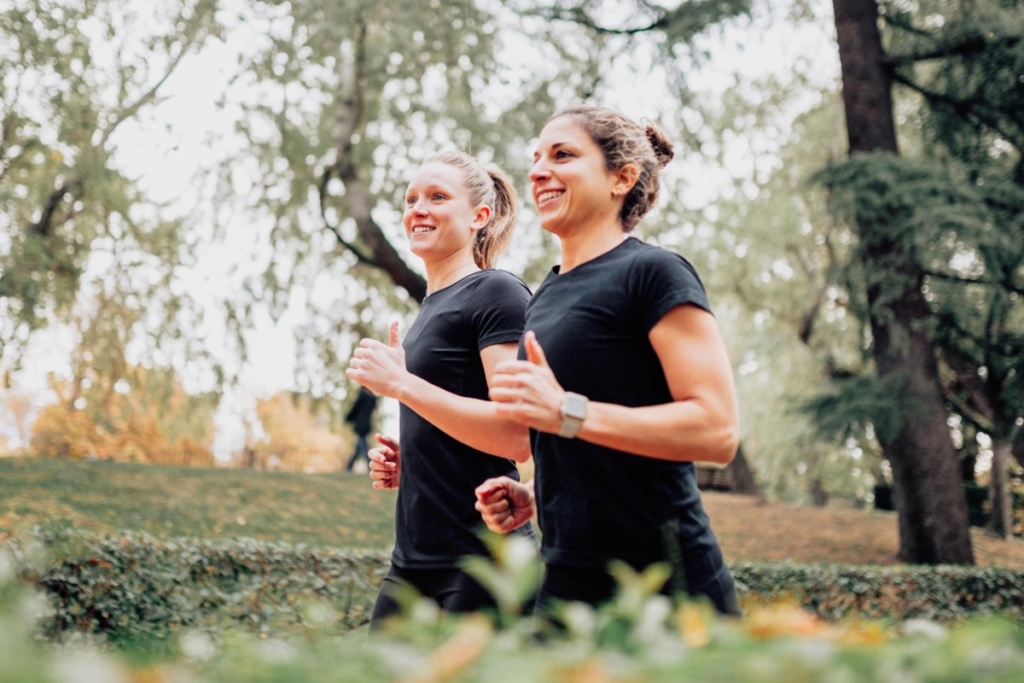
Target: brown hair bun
{"type": "Point", "coordinates": [663, 150]}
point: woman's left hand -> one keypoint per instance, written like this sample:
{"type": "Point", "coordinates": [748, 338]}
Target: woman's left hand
{"type": "Point", "coordinates": [379, 367]}
{"type": "Point", "coordinates": [527, 392]}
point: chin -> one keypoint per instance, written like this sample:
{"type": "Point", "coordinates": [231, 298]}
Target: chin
{"type": "Point", "coordinates": [419, 249]}
{"type": "Point", "coordinates": [554, 226]}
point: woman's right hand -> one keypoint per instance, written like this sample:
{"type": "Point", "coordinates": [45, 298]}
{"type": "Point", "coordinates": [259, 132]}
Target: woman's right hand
{"type": "Point", "coordinates": [385, 463]}
{"type": "Point", "coordinates": [505, 504]}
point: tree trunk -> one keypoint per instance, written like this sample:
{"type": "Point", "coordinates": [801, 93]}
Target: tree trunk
{"type": "Point", "coordinates": [350, 111]}
{"type": "Point", "coordinates": [930, 501]}
{"type": "Point", "coordinates": [742, 475]}
{"type": "Point", "coordinates": [1000, 518]}
{"type": "Point", "coordinates": [819, 496]}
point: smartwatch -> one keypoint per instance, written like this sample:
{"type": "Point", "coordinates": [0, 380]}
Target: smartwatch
{"type": "Point", "coordinates": [574, 411]}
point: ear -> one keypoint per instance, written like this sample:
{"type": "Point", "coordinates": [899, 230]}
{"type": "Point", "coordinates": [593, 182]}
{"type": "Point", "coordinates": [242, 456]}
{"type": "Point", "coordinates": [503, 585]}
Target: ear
{"type": "Point", "coordinates": [625, 178]}
{"type": "Point", "coordinates": [483, 214]}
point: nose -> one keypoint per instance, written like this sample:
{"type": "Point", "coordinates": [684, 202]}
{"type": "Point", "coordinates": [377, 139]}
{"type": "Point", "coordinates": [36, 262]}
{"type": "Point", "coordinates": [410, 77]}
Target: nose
{"type": "Point", "coordinates": [417, 208]}
{"type": "Point", "coordinates": [539, 171]}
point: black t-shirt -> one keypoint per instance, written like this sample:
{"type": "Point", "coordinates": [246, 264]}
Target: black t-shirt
{"type": "Point", "coordinates": [597, 503]}
{"type": "Point", "coordinates": [436, 522]}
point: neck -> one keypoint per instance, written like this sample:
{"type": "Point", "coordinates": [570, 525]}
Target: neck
{"type": "Point", "coordinates": [448, 271]}
{"type": "Point", "coordinates": [589, 242]}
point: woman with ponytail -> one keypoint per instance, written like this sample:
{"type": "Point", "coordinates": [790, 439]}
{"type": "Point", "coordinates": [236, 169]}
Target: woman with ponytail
{"type": "Point", "coordinates": [459, 217]}
{"type": "Point", "coordinates": [623, 380]}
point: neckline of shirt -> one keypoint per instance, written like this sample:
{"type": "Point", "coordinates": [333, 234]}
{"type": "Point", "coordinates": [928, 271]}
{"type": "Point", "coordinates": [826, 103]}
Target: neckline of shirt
{"type": "Point", "coordinates": [461, 279]}
{"type": "Point", "coordinates": [621, 245]}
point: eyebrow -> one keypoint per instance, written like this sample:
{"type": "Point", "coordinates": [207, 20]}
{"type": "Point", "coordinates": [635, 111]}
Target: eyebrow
{"type": "Point", "coordinates": [428, 187]}
{"type": "Point", "coordinates": [554, 145]}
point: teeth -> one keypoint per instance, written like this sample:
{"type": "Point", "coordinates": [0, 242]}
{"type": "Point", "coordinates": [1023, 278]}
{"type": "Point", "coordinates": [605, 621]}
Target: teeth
{"type": "Point", "coordinates": [421, 228]}
{"type": "Point", "coordinates": [544, 196]}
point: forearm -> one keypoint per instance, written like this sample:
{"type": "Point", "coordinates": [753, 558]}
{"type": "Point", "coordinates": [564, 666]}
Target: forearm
{"type": "Point", "coordinates": [680, 431]}
{"type": "Point", "coordinates": [474, 422]}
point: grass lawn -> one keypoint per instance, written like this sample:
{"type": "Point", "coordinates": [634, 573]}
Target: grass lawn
{"type": "Point", "coordinates": [338, 510]}
{"type": "Point", "coordinates": [342, 510]}
{"type": "Point", "coordinates": [749, 529]}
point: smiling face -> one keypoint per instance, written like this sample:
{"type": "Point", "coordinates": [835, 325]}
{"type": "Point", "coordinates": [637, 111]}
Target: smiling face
{"type": "Point", "coordinates": [439, 220]}
{"type": "Point", "coordinates": [570, 181]}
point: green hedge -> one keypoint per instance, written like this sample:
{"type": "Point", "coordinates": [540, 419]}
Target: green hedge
{"type": "Point", "coordinates": [940, 593]}
{"type": "Point", "coordinates": [133, 586]}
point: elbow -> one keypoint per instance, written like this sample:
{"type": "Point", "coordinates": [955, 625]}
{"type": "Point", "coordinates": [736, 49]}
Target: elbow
{"type": "Point", "coordinates": [730, 445]}
{"type": "Point", "coordinates": [520, 451]}
{"type": "Point", "coordinates": [725, 445]}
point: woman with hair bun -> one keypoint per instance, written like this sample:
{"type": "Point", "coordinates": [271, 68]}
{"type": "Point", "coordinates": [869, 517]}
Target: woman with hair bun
{"type": "Point", "coordinates": [459, 216]}
{"type": "Point", "coordinates": [623, 378]}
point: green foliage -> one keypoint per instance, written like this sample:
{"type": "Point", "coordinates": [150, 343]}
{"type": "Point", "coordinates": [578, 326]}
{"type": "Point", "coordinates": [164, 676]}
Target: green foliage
{"type": "Point", "coordinates": [643, 637]}
{"type": "Point", "coordinates": [855, 405]}
{"type": "Point", "coordinates": [131, 587]}
{"type": "Point", "coordinates": [137, 588]}
{"type": "Point", "coordinates": [73, 72]}
{"type": "Point", "coordinates": [513, 577]}
{"type": "Point", "coordinates": [964, 61]}
{"type": "Point", "coordinates": [939, 593]}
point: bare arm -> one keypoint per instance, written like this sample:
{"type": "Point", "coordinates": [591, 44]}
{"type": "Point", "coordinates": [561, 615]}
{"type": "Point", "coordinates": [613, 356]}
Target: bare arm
{"type": "Point", "coordinates": [475, 422]}
{"type": "Point", "coordinates": [700, 424]}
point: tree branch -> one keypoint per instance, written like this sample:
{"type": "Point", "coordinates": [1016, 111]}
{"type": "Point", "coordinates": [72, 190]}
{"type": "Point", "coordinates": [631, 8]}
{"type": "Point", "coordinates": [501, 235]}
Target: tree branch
{"type": "Point", "coordinates": [186, 43]}
{"type": "Point", "coordinates": [951, 277]}
{"type": "Point", "coordinates": [358, 200]}
{"type": "Point", "coordinates": [44, 226]}
{"type": "Point", "coordinates": [579, 16]}
{"type": "Point", "coordinates": [322, 189]}
{"type": "Point", "coordinates": [967, 106]}
{"type": "Point", "coordinates": [6, 132]}
{"type": "Point", "coordinates": [966, 46]}
{"type": "Point", "coordinates": [1007, 348]}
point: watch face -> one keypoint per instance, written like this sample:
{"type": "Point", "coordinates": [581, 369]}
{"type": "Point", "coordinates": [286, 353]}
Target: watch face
{"type": "Point", "coordinates": [575, 406]}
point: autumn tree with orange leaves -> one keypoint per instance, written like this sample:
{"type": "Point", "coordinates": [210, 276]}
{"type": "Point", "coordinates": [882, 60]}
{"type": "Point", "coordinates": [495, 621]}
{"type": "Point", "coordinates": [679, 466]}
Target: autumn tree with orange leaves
{"type": "Point", "coordinates": [301, 436]}
{"type": "Point", "coordinates": [144, 416]}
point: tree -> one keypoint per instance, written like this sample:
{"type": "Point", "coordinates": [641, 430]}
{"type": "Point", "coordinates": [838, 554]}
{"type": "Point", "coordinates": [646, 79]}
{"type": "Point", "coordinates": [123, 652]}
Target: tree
{"type": "Point", "coordinates": [75, 72]}
{"type": "Point", "coordinates": [929, 498]}
{"type": "Point", "coordinates": [963, 73]}
{"type": "Point", "coordinates": [301, 436]}
{"type": "Point", "coordinates": [145, 416]}
{"type": "Point", "coordinates": [888, 199]}
{"type": "Point", "coordinates": [798, 326]}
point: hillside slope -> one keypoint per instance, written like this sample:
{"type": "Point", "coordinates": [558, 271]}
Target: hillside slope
{"type": "Point", "coordinates": [342, 510]}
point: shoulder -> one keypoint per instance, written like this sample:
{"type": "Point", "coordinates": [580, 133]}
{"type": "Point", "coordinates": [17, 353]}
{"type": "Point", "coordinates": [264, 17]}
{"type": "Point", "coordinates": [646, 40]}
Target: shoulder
{"type": "Point", "coordinates": [659, 280]}
{"type": "Point", "coordinates": [502, 278]}
{"type": "Point", "coordinates": [651, 260]}
{"type": "Point", "coordinates": [500, 283]}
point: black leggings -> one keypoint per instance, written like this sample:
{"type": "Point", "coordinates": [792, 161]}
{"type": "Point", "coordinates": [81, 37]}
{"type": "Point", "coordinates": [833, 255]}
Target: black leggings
{"type": "Point", "coordinates": [453, 590]}
{"type": "Point", "coordinates": [594, 586]}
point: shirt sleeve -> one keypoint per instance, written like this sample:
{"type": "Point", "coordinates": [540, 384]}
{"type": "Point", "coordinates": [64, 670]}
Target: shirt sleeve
{"type": "Point", "coordinates": [661, 280]}
{"type": "Point", "coordinates": [499, 309]}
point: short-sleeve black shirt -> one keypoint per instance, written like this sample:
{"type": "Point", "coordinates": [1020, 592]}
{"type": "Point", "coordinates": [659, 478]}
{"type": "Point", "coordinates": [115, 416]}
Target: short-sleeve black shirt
{"type": "Point", "coordinates": [597, 503]}
{"type": "Point", "coordinates": [436, 523]}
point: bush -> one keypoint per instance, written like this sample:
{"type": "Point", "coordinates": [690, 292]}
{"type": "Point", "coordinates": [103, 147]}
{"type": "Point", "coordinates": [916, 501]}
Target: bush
{"type": "Point", "coordinates": [940, 593]}
{"type": "Point", "coordinates": [134, 587]}
{"type": "Point", "coordinates": [639, 636]}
